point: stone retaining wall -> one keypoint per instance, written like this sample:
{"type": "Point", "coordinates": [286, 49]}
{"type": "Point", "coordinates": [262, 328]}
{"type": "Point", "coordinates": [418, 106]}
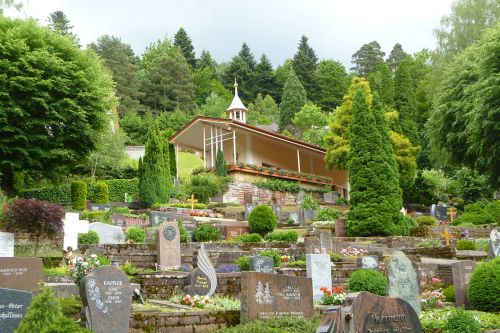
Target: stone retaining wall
{"type": "Point", "coordinates": [445, 252]}
{"type": "Point", "coordinates": [435, 232]}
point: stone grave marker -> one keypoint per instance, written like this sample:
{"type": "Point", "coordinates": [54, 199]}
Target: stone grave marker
{"type": "Point", "coordinates": [494, 248]}
{"type": "Point", "coordinates": [319, 241]}
{"type": "Point", "coordinates": [295, 217]}
{"type": "Point", "coordinates": [156, 217]}
{"type": "Point", "coordinates": [340, 227]}
{"type": "Point", "coordinates": [248, 210]}
{"type": "Point", "coordinates": [461, 272]}
{"type": "Point", "coordinates": [20, 273]}
{"type": "Point", "coordinates": [6, 244]}
{"type": "Point", "coordinates": [319, 269]}
{"type": "Point", "coordinates": [441, 212]}
{"type": "Point", "coordinates": [403, 280]}
{"type": "Point", "coordinates": [107, 300]}
{"type": "Point", "coordinates": [367, 262]}
{"type": "Point", "coordinates": [247, 198]}
{"type": "Point", "coordinates": [368, 313]}
{"type": "Point", "coordinates": [169, 245]}
{"type": "Point", "coordinates": [277, 211]}
{"type": "Point", "coordinates": [72, 226]}
{"type": "Point", "coordinates": [269, 295]}
{"type": "Point", "coordinates": [96, 207]}
{"type": "Point", "coordinates": [13, 306]}
{"type": "Point", "coordinates": [203, 278]}
{"type": "Point", "coordinates": [261, 264]}
{"type": "Point", "coordinates": [108, 234]}
{"type": "Point", "coordinates": [233, 231]}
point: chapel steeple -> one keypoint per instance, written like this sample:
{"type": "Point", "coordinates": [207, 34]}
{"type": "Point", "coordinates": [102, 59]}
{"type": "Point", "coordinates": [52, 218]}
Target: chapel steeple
{"type": "Point", "coordinates": [237, 110]}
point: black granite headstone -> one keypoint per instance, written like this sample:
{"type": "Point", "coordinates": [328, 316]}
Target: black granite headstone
{"type": "Point", "coordinates": [13, 306]}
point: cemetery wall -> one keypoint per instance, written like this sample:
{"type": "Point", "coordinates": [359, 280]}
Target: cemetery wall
{"type": "Point", "coordinates": [435, 232]}
{"type": "Point", "coordinates": [445, 252]}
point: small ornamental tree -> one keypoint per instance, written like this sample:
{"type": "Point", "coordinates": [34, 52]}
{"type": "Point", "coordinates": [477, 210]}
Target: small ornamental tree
{"type": "Point", "coordinates": [101, 193]}
{"type": "Point", "coordinates": [220, 164]}
{"type": "Point", "coordinates": [78, 195]}
{"type": "Point", "coordinates": [262, 220]}
{"type": "Point", "coordinates": [40, 219]}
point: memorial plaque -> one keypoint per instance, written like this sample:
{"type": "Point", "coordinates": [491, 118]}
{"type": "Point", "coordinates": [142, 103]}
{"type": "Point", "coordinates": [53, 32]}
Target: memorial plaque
{"type": "Point", "coordinates": [403, 280]}
{"type": "Point", "coordinates": [20, 273]}
{"type": "Point", "coordinates": [261, 264]}
{"type": "Point", "coordinates": [367, 262]}
{"type": "Point", "coordinates": [233, 231]}
{"type": "Point", "coordinates": [13, 306]}
{"type": "Point", "coordinates": [462, 272]}
{"type": "Point", "coordinates": [107, 300]}
{"type": "Point", "coordinates": [108, 234]}
{"type": "Point", "coordinates": [319, 269]}
{"type": "Point", "coordinates": [203, 278]}
{"type": "Point", "coordinates": [272, 295]}
{"type": "Point", "coordinates": [169, 245]}
{"type": "Point", "coordinates": [6, 244]}
{"type": "Point", "coordinates": [494, 248]}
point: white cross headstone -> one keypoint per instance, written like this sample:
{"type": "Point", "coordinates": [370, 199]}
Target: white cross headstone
{"type": "Point", "coordinates": [72, 227]}
{"type": "Point", "coordinates": [6, 244]}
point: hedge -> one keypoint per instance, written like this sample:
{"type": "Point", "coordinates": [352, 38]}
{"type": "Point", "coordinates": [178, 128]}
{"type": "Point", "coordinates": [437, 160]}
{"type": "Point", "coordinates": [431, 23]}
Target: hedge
{"type": "Point", "coordinates": [61, 194]}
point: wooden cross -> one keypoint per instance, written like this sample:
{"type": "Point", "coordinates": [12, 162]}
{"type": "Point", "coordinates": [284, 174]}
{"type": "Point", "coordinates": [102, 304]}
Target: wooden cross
{"type": "Point", "coordinates": [447, 236]}
{"type": "Point", "coordinates": [192, 201]}
{"type": "Point", "coordinates": [452, 212]}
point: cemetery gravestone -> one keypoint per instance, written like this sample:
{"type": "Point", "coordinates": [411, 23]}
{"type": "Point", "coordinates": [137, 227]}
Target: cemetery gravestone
{"type": "Point", "coordinates": [295, 217]}
{"type": "Point", "coordinates": [319, 241]}
{"type": "Point", "coordinates": [277, 211]}
{"type": "Point", "coordinates": [107, 300]}
{"type": "Point", "coordinates": [108, 234]}
{"type": "Point", "coordinates": [72, 227]}
{"type": "Point", "coordinates": [20, 273]}
{"type": "Point", "coordinates": [441, 212]}
{"type": "Point", "coordinates": [462, 272]}
{"type": "Point", "coordinates": [97, 207]}
{"type": "Point", "coordinates": [270, 295]}
{"type": "Point", "coordinates": [169, 245]}
{"type": "Point", "coordinates": [340, 228]}
{"type": "Point", "coordinates": [233, 231]}
{"type": "Point", "coordinates": [261, 264]}
{"type": "Point", "coordinates": [157, 218]}
{"type": "Point", "coordinates": [319, 269]}
{"type": "Point", "coordinates": [203, 278]}
{"type": "Point", "coordinates": [403, 280]}
{"type": "Point", "coordinates": [367, 262]}
{"type": "Point", "coordinates": [247, 198]}
{"type": "Point", "coordinates": [248, 210]}
{"type": "Point", "coordinates": [6, 244]}
{"type": "Point", "coordinates": [13, 306]}
{"type": "Point", "coordinates": [494, 248]}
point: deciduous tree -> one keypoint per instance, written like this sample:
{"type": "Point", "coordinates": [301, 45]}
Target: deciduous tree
{"type": "Point", "coordinates": [331, 82]}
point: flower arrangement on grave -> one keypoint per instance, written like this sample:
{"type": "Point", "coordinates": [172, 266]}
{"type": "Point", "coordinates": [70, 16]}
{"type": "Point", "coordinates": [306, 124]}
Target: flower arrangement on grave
{"type": "Point", "coordinates": [196, 301]}
{"type": "Point", "coordinates": [353, 252]}
{"type": "Point", "coordinates": [285, 258]}
{"type": "Point", "coordinates": [432, 299]}
{"type": "Point", "coordinates": [332, 296]}
{"type": "Point", "coordinates": [82, 266]}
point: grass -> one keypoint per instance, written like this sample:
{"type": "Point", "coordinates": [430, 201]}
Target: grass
{"type": "Point", "coordinates": [187, 163]}
{"type": "Point", "coordinates": [60, 271]}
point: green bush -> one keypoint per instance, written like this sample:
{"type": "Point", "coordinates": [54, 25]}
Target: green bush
{"type": "Point", "coordinates": [70, 305]}
{"type": "Point", "coordinates": [275, 325]}
{"type": "Point", "coordinates": [430, 242]}
{"type": "Point", "coordinates": [342, 202]}
{"type": "Point", "coordinates": [368, 280]}
{"type": "Point", "coordinates": [249, 238]}
{"type": "Point", "coordinates": [183, 233]}
{"type": "Point", "coordinates": [466, 244]}
{"type": "Point", "coordinates": [135, 235]}
{"type": "Point", "coordinates": [103, 261]}
{"type": "Point", "coordinates": [119, 187]}
{"type": "Point", "coordinates": [78, 195]}
{"type": "Point", "coordinates": [93, 215]}
{"type": "Point", "coordinates": [297, 263]}
{"type": "Point", "coordinates": [129, 269]}
{"type": "Point", "coordinates": [426, 220]}
{"type": "Point", "coordinates": [434, 320]}
{"type": "Point", "coordinates": [262, 220]}
{"type": "Point", "coordinates": [272, 254]}
{"type": "Point", "coordinates": [278, 185]}
{"type": "Point", "coordinates": [206, 185]}
{"type": "Point", "coordinates": [89, 238]}
{"type": "Point", "coordinates": [243, 263]}
{"type": "Point", "coordinates": [56, 194]}
{"type": "Point", "coordinates": [220, 164]}
{"type": "Point", "coordinates": [309, 203]}
{"type": "Point", "coordinates": [484, 286]}
{"type": "Point", "coordinates": [482, 244]}
{"type": "Point", "coordinates": [461, 321]}
{"type": "Point", "coordinates": [101, 193]}
{"type": "Point", "coordinates": [282, 236]}
{"type": "Point", "coordinates": [206, 232]}
{"type": "Point", "coordinates": [480, 212]}
{"type": "Point", "coordinates": [328, 214]}
{"type": "Point", "coordinates": [449, 293]}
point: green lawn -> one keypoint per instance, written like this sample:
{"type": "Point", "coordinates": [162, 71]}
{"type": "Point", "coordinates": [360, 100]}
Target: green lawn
{"type": "Point", "coordinates": [188, 162]}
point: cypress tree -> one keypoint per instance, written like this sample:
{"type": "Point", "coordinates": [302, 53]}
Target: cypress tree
{"type": "Point", "coordinates": [404, 100]}
{"type": "Point", "coordinates": [304, 63]}
{"type": "Point", "coordinates": [293, 99]}
{"type": "Point", "coordinates": [172, 158]}
{"type": "Point", "coordinates": [220, 164]}
{"type": "Point", "coordinates": [375, 195]}
{"type": "Point", "coordinates": [183, 43]}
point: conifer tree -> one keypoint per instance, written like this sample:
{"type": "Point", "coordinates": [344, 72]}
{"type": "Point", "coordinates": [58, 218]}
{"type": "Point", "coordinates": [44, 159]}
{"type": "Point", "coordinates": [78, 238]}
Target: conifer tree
{"type": "Point", "coordinates": [242, 68]}
{"type": "Point", "coordinates": [331, 82]}
{"type": "Point", "coordinates": [304, 63]}
{"type": "Point", "coordinates": [396, 56]}
{"type": "Point", "coordinates": [382, 83]}
{"type": "Point", "coordinates": [367, 58]}
{"type": "Point", "coordinates": [265, 81]}
{"type": "Point", "coordinates": [375, 196]}
{"type": "Point", "coordinates": [220, 164]}
{"type": "Point", "coordinates": [294, 97]}
{"type": "Point", "coordinates": [183, 42]}
{"type": "Point", "coordinates": [60, 24]}
{"type": "Point", "coordinates": [404, 100]}
{"type": "Point", "coordinates": [206, 60]}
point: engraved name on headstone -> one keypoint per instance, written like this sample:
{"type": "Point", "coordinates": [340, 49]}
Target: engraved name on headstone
{"type": "Point", "coordinates": [261, 264]}
{"type": "Point", "coordinates": [20, 273]}
{"type": "Point", "coordinates": [13, 306]}
{"type": "Point", "coordinates": [319, 269]}
{"type": "Point", "coordinates": [203, 278]}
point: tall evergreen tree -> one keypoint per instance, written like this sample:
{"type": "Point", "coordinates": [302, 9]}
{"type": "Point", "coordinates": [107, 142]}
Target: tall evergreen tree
{"type": "Point", "coordinates": [265, 81]}
{"type": "Point", "coordinates": [331, 82]}
{"type": "Point", "coordinates": [183, 42]}
{"type": "Point", "coordinates": [60, 23]}
{"type": "Point", "coordinates": [304, 63]}
{"type": "Point", "coordinates": [247, 56]}
{"type": "Point", "coordinates": [240, 70]}
{"type": "Point", "coordinates": [294, 97]}
{"type": "Point", "coordinates": [404, 100]}
{"type": "Point", "coordinates": [375, 196]}
{"type": "Point", "coordinates": [367, 58]}
{"type": "Point", "coordinates": [396, 56]}
{"type": "Point", "coordinates": [120, 59]}
{"type": "Point", "coordinates": [382, 83]}
{"type": "Point", "coordinates": [206, 60]}
{"type": "Point", "coordinates": [154, 174]}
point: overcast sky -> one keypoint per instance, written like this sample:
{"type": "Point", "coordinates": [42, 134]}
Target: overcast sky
{"type": "Point", "coordinates": [336, 28]}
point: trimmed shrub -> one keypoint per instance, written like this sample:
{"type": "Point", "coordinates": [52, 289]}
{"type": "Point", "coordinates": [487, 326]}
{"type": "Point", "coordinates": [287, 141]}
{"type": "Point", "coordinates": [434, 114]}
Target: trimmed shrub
{"type": "Point", "coordinates": [272, 254]}
{"type": "Point", "coordinates": [78, 195]}
{"type": "Point", "coordinates": [243, 263]}
{"type": "Point", "coordinates": [89, 238]}
{"type": "Point", "coordinates": [484, 286]}
{"type": "Point", "coordinates": [466, 244]}
{"type": "Point", "coordinates": [135, 235]}
{"type": "Point", "coordinates": [262, 220]}
{"type": "Point", "coordinates": [220, 164]}
{"type": "Point", "coordinates": [309, 203]}
{"type": "Point", "coordinates": [335, 257]}
{"type": "Point", "coordinates": [282, 236]}
{"type": "Point", "coordinates": [56, 194]}
{"type": "Point", "coordinates": [101, 193]}
{"type": "Point", "coordinates": [206, 185]}
{"type": "Point", "coordinates": [249, 238]}
{"type": "Point", "coordinates": [206, 233]}
{"type": "Point", "coordinates": [368, 280]}
{"type": "Point", "coordinates": [121, 188]}
{"type": "Point", "coordinates": [426, 220]}
{"type": "Point", "coordinates": [449, 293]}
{"type": "Point", "coordinates": [461, 321]}
{"type": "Point", "coordinates": [183, 233]}
{"type": "Point", "coordinates": [328, 214]}
{"type": "Point", "coordinates": [70, 305]}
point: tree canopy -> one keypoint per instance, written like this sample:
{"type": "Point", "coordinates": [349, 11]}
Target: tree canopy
{"type": "Point", "coordinates": [294, 97]}
{"type": "Point", "coordinates": [367, 58]}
